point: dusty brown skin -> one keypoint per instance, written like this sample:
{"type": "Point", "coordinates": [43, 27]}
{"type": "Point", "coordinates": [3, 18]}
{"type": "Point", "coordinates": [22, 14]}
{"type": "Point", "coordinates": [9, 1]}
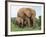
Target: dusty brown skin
{"type": "Point", "coordinates": [28, 15]}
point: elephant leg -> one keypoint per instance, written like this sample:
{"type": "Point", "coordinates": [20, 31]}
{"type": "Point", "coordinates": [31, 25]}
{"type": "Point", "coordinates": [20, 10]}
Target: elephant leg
{"type": "Point", "coordinates": [22, 22]}
{"type": "Point", "coordinates": [33, 21]}
{"type": "Point", "coordinates": [28, 22]}
{"type": "Point", "coordinates": [17, 23]}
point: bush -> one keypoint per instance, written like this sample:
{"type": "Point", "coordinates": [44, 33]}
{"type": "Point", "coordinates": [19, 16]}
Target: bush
{"type": "Point", "coordinates": [13, 20]}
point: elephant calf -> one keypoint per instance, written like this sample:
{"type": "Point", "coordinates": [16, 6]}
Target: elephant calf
{"type": "Point", "coordinates": [19, 21]}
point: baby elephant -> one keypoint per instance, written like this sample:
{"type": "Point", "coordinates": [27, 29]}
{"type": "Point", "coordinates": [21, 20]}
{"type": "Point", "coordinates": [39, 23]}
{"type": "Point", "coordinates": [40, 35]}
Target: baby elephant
{"type": "Point", "coordinates": [19, 21]}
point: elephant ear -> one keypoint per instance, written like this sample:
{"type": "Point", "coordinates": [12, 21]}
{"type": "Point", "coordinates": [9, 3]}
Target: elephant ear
{"type": "Point", "coordinates": [33, 13]}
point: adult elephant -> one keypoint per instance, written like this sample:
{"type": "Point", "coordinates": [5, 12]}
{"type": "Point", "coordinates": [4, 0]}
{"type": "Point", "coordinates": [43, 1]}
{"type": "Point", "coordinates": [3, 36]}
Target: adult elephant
{"type": "Point", "coordinates": [28, 14]}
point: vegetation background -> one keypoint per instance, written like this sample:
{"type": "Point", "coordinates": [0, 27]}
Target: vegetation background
{"type": "Point", "coordinates": [37, 25]}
